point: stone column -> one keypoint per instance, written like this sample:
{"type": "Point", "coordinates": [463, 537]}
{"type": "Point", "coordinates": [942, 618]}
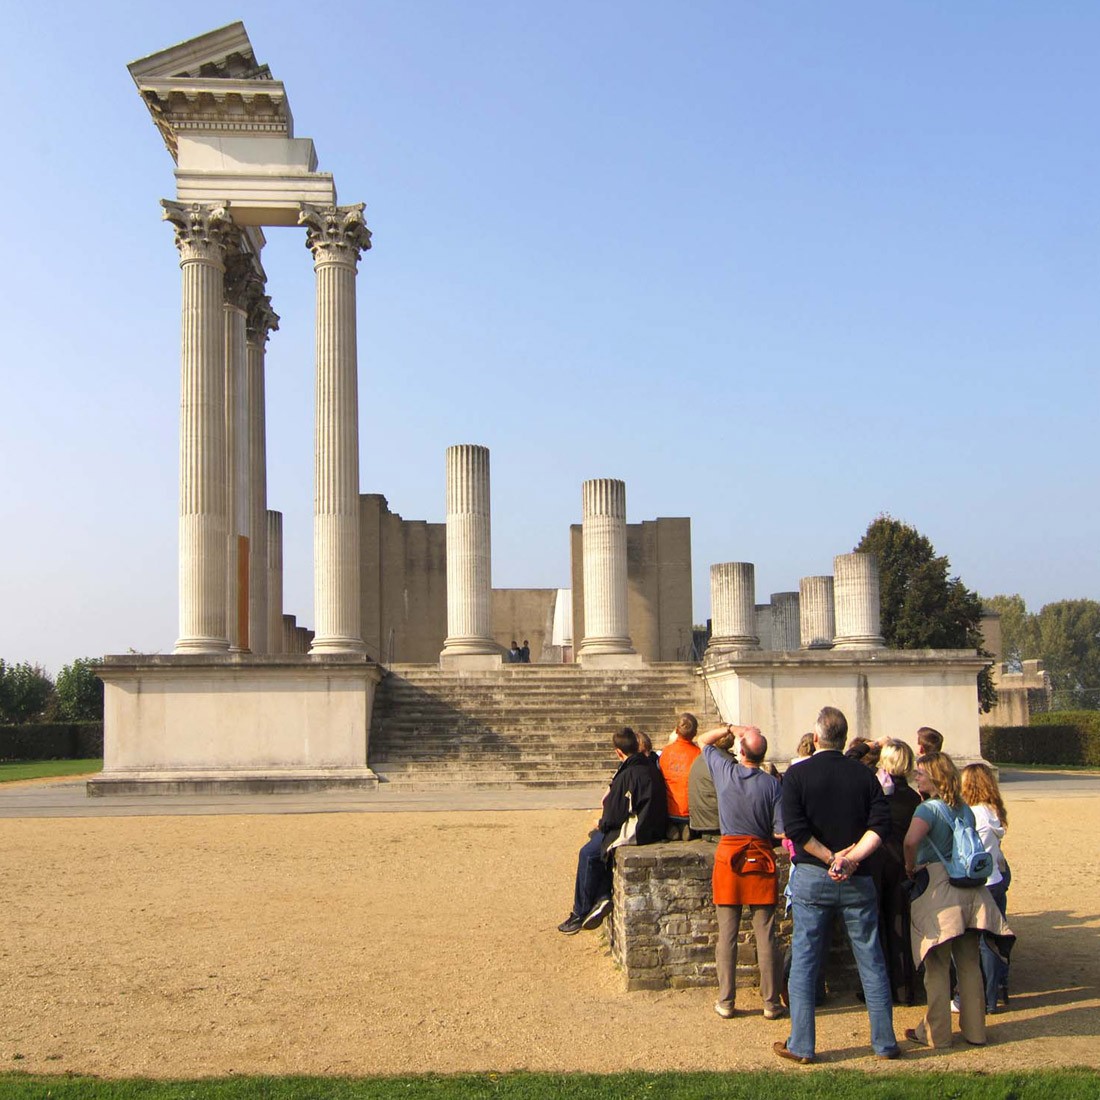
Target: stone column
{"type": "Point", "coordinates": [606, 642]}
{"type": "Point", "coordinates": [336, 235]}
{"type": "Point", "coordinates": [732, 607]}
{"type": "Point", "coordinates": [785, 629]}
{"type": "Point", "coordinates": [290, 634]}
{"type": "Point", "coordinates": [275, 640]}
{"type": "Point", "coordinates": [856, 592]}
{"type": "Point", "coordinates": [238, 271]}
{"type": "Point", "coordinates": [469, 641]}
{"type": "Point", "coordinates": [261, 320]}
{"type": "Point", "coordinates": [201, 230]}
{"type": "Point", "coordinates": [817, 620]}
{"type": "Point", "coordinates": [765, 623]}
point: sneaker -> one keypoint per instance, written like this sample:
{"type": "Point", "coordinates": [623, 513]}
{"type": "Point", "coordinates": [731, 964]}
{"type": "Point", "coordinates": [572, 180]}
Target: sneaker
{"type": "Point", "coordinates": [727, 1012]}
{"type": "Point", "coordinates": [571, 925]}
{"type": "Point", "coordinates": [775, 1013]}
{"type": "Point", "coordinates": [955, 1005]}
{"type": "Point", "coordinates": [596, 914]}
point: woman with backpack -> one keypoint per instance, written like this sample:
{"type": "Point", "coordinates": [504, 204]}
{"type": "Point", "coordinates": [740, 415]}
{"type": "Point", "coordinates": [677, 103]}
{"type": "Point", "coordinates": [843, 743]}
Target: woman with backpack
{"type": "Point", "coordinates": [950, 906]}
{"type": "Point", "coordinates": [983, 796]}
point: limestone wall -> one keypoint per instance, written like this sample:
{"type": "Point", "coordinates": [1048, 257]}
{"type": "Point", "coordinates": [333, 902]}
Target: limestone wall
{"type": "Point", "coordinates": [520, 613]}
{"type": "Point", "coordinates": [403, 589]}
{"type": "Point", "coordinates": [663, 927]}
{"type": "Point", "coordinates": [658, 562]}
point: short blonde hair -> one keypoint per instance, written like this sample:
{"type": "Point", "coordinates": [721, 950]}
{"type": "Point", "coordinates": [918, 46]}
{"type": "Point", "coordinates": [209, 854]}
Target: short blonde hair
{"type": "Point", "coordinates": [896, 758]}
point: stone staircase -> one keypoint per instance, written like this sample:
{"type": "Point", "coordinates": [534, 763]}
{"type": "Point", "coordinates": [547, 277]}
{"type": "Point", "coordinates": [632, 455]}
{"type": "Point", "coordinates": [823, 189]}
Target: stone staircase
{"type": "Point", "coordinates": [522, 725]}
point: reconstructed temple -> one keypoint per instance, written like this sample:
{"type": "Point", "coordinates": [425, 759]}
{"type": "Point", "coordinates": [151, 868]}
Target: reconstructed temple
{"type": "Point", "coordinates": [250, 699]}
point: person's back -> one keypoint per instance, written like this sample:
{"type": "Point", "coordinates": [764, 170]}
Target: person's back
{"type": "Point", "coordinates": [675, 765]}
{"type": "Point", "coordinates": [702, 800]}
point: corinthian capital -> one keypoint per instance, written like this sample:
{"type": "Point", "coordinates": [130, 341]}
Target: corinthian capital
{"type": "Point", "coordinates": [261, 319]}
{"type": "Point", "coordinates": [202, 228]}
{"type": "Point", "coordinates": [242, 282]}
{"type": "Point", "coordinates": [335, 233]}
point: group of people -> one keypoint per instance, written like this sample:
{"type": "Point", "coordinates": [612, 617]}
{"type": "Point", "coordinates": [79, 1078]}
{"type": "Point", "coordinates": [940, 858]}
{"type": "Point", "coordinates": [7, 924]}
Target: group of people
{"type": "Point", "coordinates": [865, 846]}
{"type": "Point", "coordinates": [519, 655]}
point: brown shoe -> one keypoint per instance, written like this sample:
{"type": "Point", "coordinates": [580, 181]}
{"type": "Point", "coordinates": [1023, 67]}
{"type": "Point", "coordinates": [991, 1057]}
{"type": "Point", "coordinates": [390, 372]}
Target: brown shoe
{"type": "Point", "coordinates": [913, 1037]}
{"type": "Point", "coordinates": [780, 1048]}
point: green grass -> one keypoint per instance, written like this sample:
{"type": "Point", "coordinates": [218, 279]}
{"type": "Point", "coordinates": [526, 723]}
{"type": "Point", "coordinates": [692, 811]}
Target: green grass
{"type": "Point", "coordinates": [47, 769]}
{"type": "Point", "coordinates": [795, 1084]}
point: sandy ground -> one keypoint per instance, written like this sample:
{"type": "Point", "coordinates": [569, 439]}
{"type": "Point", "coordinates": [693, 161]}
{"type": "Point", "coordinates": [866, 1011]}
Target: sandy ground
{"type": "Point", "coordinates": [414, 942]}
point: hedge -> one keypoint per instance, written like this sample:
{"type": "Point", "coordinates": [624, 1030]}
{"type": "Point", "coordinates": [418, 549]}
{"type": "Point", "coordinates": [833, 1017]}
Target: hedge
{"type": "Point", "coordinates": [52, 741]}
{"type": "Point", "coordinates": [1067, 737]}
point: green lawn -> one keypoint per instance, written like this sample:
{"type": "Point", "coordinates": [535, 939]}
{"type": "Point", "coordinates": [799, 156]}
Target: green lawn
{"type": "Point", "coordinates": [796, 1084]}
{"type": "Point", "coordinates": [47, 769]}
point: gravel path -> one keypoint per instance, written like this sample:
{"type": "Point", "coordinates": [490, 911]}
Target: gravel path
{"type": "Point", "coordinates": [344, 943]}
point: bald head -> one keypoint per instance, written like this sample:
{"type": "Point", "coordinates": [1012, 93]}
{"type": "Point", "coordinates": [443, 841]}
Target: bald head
{"type": "Point", "coordinates": [754, 746]}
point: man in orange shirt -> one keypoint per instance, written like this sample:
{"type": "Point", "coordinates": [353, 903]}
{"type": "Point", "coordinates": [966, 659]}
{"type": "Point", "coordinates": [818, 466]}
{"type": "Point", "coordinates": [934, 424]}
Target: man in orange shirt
{"type": "Point", "coordinates": [675, 763]}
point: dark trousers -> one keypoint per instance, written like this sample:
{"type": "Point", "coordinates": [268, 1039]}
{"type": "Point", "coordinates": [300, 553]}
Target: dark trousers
{"type": "Point", "coordinates": [593, 875]}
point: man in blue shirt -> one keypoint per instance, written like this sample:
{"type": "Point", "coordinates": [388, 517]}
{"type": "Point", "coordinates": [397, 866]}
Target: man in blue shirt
{"type": "Point", "coordinates": [751, 821]}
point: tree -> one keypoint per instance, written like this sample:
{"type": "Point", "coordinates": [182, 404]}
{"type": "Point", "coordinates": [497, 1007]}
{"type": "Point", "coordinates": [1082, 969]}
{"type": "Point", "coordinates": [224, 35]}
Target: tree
{"type": "Point", "coordinates": [80, 691]}
{"type": "Point", "coordinates": [25, 692]}
{"type": "Point", "coordinates": [922, 606]}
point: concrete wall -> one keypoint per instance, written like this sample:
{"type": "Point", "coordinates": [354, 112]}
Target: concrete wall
{"type": "Point", "coordinates": [658, 564]}
{"type": "Point", "coordinates": [520, 613]}
{"type": "Point", "coordinates": [403, 572]}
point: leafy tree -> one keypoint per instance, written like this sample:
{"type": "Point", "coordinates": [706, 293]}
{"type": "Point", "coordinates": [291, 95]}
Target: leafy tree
{"type": "Point", "coordinates": [922, 606]}
{"type": "Point", "coordinates": [1065, 636]}
{"type": "Point", "coordinates": [25, 692]}
{"type": "Point", "coordinates": [1019, 631]}
{"type": "Point", "coordinates": [80, 691]}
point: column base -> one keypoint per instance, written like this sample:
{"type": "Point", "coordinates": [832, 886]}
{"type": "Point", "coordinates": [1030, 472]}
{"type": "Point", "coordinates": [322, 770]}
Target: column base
{"type": "Point", "coordinates": [609, 659]}
{"type": "Point", "coordinates": [719, 647]}
{"type": "Point", "coordinates": [338, 645]}
{"type": "Point", "coordinates": [860, 641]}
{"type": "Point", "coordinates": [202, 645]}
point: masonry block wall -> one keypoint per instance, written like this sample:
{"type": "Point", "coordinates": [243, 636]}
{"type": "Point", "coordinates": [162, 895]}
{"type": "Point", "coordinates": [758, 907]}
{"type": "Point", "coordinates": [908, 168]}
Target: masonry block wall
{"type": "Point", "coordinates": [663, 927]}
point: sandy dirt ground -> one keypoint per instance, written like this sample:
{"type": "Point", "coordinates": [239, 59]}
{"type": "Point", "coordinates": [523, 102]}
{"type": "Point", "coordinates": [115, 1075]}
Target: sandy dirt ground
{"type": "Point", "coordinates": [415, 942]}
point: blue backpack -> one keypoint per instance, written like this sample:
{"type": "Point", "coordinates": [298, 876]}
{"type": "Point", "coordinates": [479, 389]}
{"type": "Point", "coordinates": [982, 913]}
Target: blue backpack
{"type": "Point", "coordinates": [969, 864]}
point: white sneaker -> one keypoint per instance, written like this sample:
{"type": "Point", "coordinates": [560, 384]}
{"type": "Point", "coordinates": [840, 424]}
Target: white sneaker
{"type": "Point", "coordinates": [725, 1011]}
{"type": "Point", "coordinates": [955, 1005]}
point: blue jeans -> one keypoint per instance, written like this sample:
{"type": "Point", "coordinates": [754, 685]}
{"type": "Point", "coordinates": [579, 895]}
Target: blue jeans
{"type": "Point", "coordinates": [816, 899]}
{"type": "Point", "coordinates": [994, 968]}
{"type": "Point", "coordinates": [593, 876]}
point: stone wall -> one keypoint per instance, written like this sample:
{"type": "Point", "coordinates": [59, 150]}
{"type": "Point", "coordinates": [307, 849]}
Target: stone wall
{"type": "Point", "coordinates": [520, 613]}
{"type": "Point", "coordinates": [658, 570]}
{"type": "Point", "coordinates": [663, 926]}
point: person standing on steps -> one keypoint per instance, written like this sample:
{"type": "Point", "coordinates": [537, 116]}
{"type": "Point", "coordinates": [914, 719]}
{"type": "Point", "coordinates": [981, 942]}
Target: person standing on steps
{"type": "Point", "coordinates": [634, 812]}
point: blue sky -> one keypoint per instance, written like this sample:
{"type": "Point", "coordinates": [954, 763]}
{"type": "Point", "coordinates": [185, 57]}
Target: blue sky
{"type": "Point", "coordinates": [780, 266]}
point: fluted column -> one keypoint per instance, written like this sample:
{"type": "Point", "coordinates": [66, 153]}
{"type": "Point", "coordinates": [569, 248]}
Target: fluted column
{"type": "Point", "coordinates": [603, 548]}
{"type": "Point", "coordinates": [290, 634]}
{"type": "Point", "coordinates": [817, 619]}
{"type": "Point", "coordinates": [201, 230]}
{"type": "Point", "coordinates": [732, 607]}
{"type": "Point", "coordinates": [261, 320]}
{"type": "Point", "coordinates": [858, 603]}
{"type": "Point", "coordinates": [469, 551]}
{"type": "Point", "coordinates": [238, 270]}
{"type": "Point", "coordinates": [336, 235]}
{"type": "Point", "coordinates": [275, 641]}
{"type": "Point", "coordinates": [785, 628]}
{"type": "Point", "coordinates": [765, 625]}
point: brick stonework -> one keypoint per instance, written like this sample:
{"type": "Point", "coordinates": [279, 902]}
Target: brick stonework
{"type": "Point", "coordinates": [663, 926]}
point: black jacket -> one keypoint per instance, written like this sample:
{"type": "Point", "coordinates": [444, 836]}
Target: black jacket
{"type": "Point", "coordinates": [636, 787]}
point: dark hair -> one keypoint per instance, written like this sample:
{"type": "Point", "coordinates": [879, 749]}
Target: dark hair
{"type": "Point", "coordinates": [645, 743]}
{"type": "Point", "coordinates": [929, 740]}
{"type": "Point", "coordinates": [761, 747]}
{"type": "Point", "coordinates": [626, 740]}
{"type": "Point", "coordinates": [832, 728]}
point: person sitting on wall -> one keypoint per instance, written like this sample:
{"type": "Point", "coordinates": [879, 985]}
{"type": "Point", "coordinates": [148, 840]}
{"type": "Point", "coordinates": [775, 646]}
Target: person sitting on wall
{"type": "Point", "coordinates": [645, 746]}
{"type": "Point", "coordinates": [635, 811]}
{"type": "Point", "coordinates": [676, 761]}
{"type": "Point", "coordinates": [751, 817]}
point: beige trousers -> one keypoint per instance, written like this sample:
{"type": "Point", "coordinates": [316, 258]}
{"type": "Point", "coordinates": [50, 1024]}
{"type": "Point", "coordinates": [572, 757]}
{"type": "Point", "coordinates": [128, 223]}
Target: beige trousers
{"type": "Point", "coordinates": [935, 1028]}
{"type": "Point", "coordinates": [767, 953]}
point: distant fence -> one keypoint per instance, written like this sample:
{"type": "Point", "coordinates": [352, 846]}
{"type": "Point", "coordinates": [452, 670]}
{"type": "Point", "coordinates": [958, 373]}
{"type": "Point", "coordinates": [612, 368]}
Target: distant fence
{"type": "Point", "coordinates": [1066, 737]}
{"type": "Point", "coordinates": [52, 741]}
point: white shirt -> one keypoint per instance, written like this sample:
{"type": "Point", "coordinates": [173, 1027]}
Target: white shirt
{"type": "Point", "coordinates": [990, 830]}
